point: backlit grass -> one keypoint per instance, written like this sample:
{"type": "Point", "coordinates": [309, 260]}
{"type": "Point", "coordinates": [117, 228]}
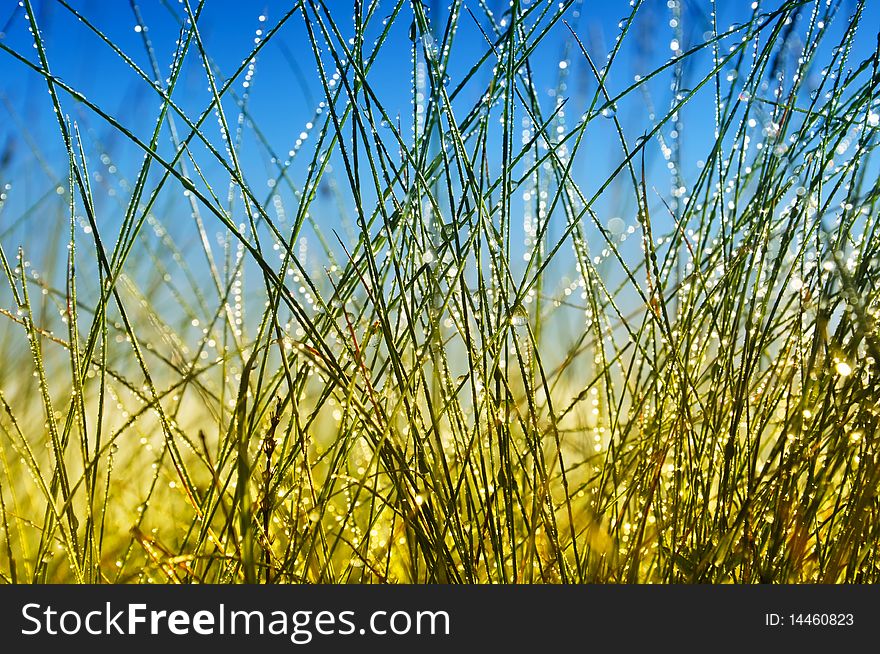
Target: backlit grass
{"type": "Point", "coordinates": [456, 328]}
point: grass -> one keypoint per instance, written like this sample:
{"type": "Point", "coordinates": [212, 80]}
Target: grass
{"type": "Point", "coordinates": [423, 346]}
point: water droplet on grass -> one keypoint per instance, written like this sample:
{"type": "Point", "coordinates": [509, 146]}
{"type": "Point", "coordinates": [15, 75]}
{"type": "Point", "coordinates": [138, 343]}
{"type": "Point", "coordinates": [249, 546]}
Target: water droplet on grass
{"type": "Point", "coordinates": [616, 226]}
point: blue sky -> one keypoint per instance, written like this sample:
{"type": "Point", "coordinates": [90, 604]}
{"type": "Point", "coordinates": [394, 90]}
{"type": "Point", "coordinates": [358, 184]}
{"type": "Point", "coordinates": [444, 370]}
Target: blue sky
{"type": "Point", "coordinates": [285, 86]}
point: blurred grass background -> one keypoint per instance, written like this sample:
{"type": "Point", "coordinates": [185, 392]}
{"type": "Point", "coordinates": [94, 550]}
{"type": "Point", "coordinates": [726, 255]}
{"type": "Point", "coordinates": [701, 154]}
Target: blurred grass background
{"type": "Point", "coordinates": [408, 292]}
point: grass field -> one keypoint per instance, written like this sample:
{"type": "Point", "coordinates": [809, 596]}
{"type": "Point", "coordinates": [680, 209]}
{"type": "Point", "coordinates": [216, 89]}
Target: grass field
{"type": "Point", "coordinates": [530, 295]}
